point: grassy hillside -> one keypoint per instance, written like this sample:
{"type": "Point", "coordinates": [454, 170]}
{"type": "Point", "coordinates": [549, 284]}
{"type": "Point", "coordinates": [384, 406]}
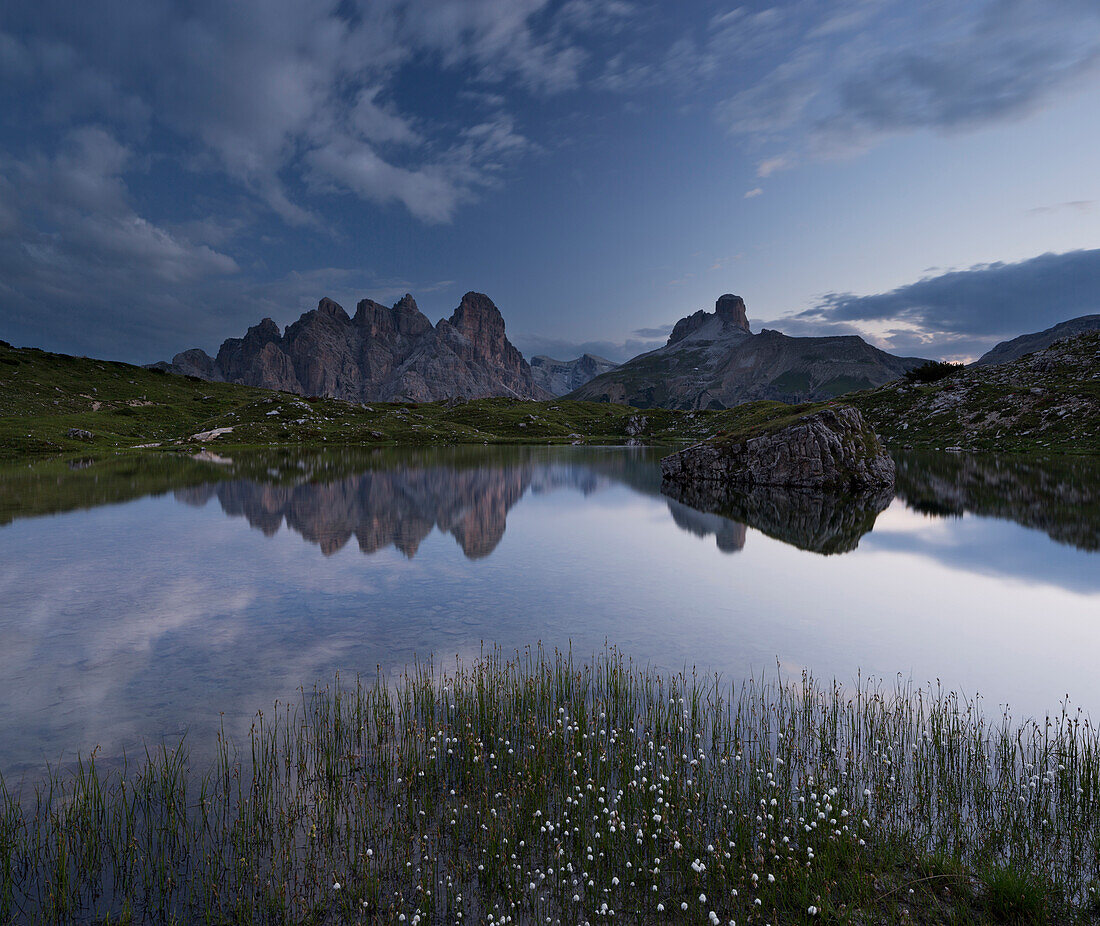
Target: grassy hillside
{"type": "Point", "coordinates": [1048, 401]}
{"type": "Point", "coordinates": [45, 399]}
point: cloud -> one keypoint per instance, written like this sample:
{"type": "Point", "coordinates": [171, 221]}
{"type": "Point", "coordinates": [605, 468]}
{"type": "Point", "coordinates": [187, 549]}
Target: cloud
{"type": "Point", "coordinates": [662, 331]}
{"type": "Point", "coordinates": [1077, 205]}
{"type": "Point", "coordinates": [749, 194]}
{"type": "Point", "coordinates": [271, 92]}
{"type": "Point", "coordinates": [964, 312]}
{"type": "Point", "coordinates": [75, 255]}
{"type": "Point", "coordinates": [854, 73]}
{"type": "Point", "coordinates": [82, 269]}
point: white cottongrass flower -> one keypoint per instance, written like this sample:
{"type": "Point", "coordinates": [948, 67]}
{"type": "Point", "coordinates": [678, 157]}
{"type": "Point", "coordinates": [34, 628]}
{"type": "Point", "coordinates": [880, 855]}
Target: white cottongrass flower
{"type": "Point", "coordinates": [336, 885]}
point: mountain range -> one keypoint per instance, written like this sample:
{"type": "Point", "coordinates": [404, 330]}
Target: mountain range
{"type": "Point", "coordinates": [713, 360]}
{"type": "Point", "coordinates": [561, 376]}
{"type": "Point", "coordinates": [380, 354]}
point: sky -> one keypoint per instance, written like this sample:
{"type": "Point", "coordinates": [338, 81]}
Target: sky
{"type": "Point", "coordinates": [923, 174]}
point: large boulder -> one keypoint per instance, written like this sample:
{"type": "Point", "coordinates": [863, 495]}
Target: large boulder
{"type": "Point", "coordinates": [829, 449]}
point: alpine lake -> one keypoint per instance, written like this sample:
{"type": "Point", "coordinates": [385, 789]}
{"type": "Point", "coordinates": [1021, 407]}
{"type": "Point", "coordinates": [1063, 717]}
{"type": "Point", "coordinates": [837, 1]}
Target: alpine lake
{"type": "Point", "coordinates": [152, 599]}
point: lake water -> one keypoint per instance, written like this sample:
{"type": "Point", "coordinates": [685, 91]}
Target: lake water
{"type": "Point", "coordinates": [145, 599]}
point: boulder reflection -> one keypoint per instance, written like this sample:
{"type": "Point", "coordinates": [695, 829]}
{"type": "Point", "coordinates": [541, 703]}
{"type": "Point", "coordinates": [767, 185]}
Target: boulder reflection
{"type": "Point", "coordinates": [819, 522]}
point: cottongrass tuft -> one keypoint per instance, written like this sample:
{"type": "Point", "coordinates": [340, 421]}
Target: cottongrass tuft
{"type": "Point", "coordinates": [539, 789]}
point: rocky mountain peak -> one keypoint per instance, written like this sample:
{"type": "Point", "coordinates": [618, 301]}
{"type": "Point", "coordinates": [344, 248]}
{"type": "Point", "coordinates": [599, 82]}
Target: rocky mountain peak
{"type": "Point", "coordinates": [332, 309]}
{"type": "Point", "coordinates": [712, 360]}
{"type": "Point", "coordinates": [729, 310]}
{"type": "Point", "coordinates": [386, 354]}
{"type": "Point", "coordinates": [476, 315]}
{"type": "Point", "coordinates": [264, 332]}
{"type": "Point", "coordinates": [732, 308]}
{"type": "Point", "coordinates": [406, 305]}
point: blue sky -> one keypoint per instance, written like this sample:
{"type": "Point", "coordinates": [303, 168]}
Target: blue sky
{"type": "Point", "coordinates": [923, 174]}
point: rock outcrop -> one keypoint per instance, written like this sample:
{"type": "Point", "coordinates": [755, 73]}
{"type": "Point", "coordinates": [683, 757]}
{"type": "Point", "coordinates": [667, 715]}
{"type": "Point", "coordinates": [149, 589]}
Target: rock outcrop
{"type": "Point", "coordinates": [379, 354]}
{"type": "Point", "coordinates": [561, 376]}
{"type": "Point", "coordinates": [1029, 343]}
{"type": "Point", "coordinates": [712, 360]}
{"type": "Point", "coordinates": [728, 317]}
{"type": "Point", "coordinates": [831, 449]}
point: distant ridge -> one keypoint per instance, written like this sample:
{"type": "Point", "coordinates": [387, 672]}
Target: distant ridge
{"type": "Point", "coordinates": [713, 360]}
{"type": "Point", "coordinates": [561, 376]}
{"type": "Point", "coordinates": [1029, 343]}
{"type": "Point", "coordinates": [379, 354]}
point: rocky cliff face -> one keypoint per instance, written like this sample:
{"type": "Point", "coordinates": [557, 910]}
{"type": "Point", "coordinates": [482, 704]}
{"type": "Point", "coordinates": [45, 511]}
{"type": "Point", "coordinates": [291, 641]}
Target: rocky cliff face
{"type": "Point", "coordinates": [379, 354]}
{"type": "Point", "coordinates": [1029, 343]}
{"type": "Point", "coordinates": [830, 449]}
{"type": "Point", "coordinates": [561, 376]}
{"type": "Point", "coordinates": [712, 360]}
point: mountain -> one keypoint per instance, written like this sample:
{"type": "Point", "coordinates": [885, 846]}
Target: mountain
{"type": "Point", "coordinates": [1048, 400]}
{"type": "Point", "coordinates": [712, 360]}
{"type": "Point", "coordinates": [1029, 343]}
{"type": "Point", "coordinates": [379, 354]}
{"type": "Point", "coordinates": [561, 376]}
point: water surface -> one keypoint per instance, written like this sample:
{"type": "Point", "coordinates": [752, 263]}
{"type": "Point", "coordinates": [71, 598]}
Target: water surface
{"type": "Point", "coordinates": [142, 599]}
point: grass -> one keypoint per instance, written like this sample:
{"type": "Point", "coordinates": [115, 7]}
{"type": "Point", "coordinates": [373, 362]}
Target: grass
{"type": "Point", "coordinates": [1047, 402]}
{"type": "Point", "coordinates": [47, 400]}
{"type": "Point", "coordinates": [542, 789]}
{"type": "Point", "coordinates": [44, 396]}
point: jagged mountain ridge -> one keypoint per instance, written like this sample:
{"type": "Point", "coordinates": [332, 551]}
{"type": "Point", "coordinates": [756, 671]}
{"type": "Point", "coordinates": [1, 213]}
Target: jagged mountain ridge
{"type": "Point", "coordinates": [379, 354]}
{"type": "Point", "coordinates": [1025, 344]}
{"type": "Point", "coordinates": [561, 376]}
{"type": "Point", "coordinates": [713, 360]}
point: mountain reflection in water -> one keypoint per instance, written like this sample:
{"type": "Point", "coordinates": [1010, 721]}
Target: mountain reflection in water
{"type": "Point", "coordinates": [401, 507]}
{"type": "Point", "coordinates": [167, 589]}
{"type": "Point", "coordinates": [397, 498]}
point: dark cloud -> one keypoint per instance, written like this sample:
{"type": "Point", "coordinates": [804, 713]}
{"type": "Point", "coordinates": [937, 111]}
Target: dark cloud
{"type": "Point", "coordinates": [964, 312]}
{"type": "Point", "coordinates": [264, 105]}
{"type": "Point", "coordinates": [270, 91]}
